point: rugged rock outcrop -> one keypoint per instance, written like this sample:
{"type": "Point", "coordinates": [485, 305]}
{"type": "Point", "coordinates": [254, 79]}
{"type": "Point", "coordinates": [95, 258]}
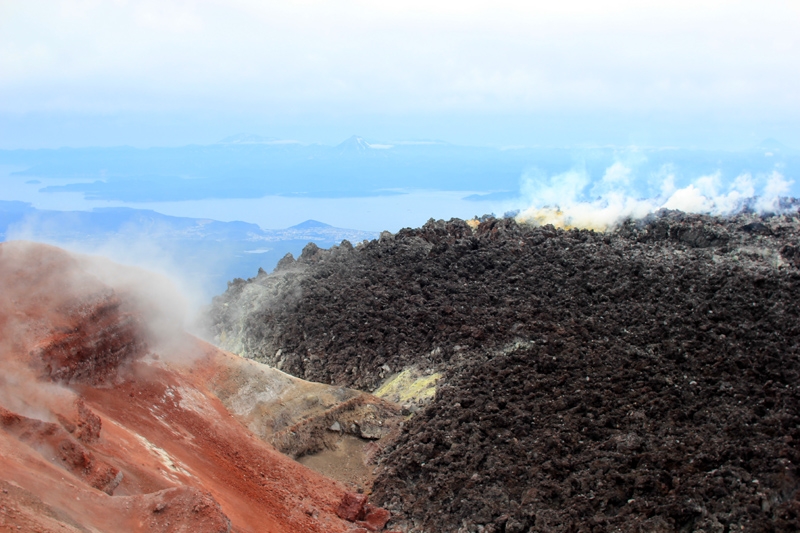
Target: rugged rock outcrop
{"type": "Point", "coordinates": [644, 379]}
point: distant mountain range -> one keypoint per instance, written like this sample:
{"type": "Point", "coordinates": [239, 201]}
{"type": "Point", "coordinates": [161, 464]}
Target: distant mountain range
{"type": "Point", "coordinates": [208, 251]}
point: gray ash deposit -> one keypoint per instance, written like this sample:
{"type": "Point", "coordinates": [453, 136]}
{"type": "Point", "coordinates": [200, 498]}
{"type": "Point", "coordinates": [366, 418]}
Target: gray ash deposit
{"type": "Point", "coordinates": [644, 379]}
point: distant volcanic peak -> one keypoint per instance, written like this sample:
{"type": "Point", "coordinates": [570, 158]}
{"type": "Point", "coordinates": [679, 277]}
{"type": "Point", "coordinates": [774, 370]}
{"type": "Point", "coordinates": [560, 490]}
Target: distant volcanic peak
{"type": "Point", "coordinates": [311, 224]}
{"type": "Point", "coordinates": [773, 145]}
{"type": "Point", "coordinates": [356, 144]}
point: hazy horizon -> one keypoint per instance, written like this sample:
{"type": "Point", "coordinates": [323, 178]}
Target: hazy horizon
{"type": "Point", "coordinates": [614, 108]}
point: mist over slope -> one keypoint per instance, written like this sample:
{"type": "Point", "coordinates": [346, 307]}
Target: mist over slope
{"type": "Point", "coordinates": [639, 379]}
{"type": "Point", "coordinates": [112, 418]}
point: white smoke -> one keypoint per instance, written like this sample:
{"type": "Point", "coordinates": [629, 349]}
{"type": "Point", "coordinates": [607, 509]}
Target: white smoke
{"type": "Point", "coordinates": [571, 199]}
{"type": "Point", "coordinates": [183, 293]}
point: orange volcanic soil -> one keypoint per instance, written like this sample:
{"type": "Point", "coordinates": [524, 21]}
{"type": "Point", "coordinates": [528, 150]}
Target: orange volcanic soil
{"type": "Point", "coordinates": [108, 420]}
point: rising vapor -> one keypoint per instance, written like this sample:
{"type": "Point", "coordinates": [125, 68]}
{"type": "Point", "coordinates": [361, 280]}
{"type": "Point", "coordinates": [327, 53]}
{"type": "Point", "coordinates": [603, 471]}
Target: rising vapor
{"type": "Point", "coordinates": [572, 200]}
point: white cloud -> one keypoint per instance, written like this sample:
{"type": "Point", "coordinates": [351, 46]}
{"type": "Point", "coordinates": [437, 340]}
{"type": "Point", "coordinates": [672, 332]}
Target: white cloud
{"type": "Point", "coordinates": [359, 56]}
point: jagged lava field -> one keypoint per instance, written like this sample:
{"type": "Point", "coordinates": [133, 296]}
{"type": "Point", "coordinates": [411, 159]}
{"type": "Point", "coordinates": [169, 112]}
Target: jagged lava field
{"type": "Point", "coordinates": [640, 379]}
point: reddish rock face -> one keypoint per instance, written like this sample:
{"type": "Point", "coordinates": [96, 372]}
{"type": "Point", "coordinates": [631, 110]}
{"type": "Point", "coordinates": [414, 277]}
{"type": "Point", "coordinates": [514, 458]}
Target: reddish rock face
{"type": "Point", "coordinates": [171, 509]}
{"type": "Point", "coordinates": [66, 451]}
{"type": "Point", "coordinates": [375, 518]}
{"type": "Point", "coordinates": [99, 431]}
{"type": "Point", "coordinates": [352, 507]}
{"type": "Point", "coordinates": [103, 338]}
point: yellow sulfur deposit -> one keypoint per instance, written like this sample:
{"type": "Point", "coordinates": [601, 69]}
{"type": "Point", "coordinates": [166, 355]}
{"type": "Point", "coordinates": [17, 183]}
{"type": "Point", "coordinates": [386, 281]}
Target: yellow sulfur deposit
{"type": "Point", "coordinates": [586, 219]}
{"type": "Point", "coordinates": [473, 223]}
{"type": "Point", "coordinates": [409, 386]}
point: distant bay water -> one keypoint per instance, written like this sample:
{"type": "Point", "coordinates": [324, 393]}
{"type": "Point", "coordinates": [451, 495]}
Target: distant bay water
{"type": "Point", "coordinates": [372, 186]}
{"type": "Point", "coordinates": [203, 244]}
{"type": "Point", "coordinates": [386, 211]}
{"type": "Point", "coordinates": [212, 213]}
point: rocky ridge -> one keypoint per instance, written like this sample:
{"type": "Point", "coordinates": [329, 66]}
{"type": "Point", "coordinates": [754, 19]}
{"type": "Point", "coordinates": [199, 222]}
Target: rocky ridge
{"type": "Point", "coordinates": [643, 379]}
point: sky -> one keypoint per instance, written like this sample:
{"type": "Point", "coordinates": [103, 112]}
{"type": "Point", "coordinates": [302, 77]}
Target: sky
{"type": "Point", "coordinates": [712, 74]}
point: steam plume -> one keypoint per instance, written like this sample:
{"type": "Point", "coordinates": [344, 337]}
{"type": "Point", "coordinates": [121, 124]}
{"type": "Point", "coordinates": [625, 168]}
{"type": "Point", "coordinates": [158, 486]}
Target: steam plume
{"type": "Point", "coordinates": [571, 200]}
